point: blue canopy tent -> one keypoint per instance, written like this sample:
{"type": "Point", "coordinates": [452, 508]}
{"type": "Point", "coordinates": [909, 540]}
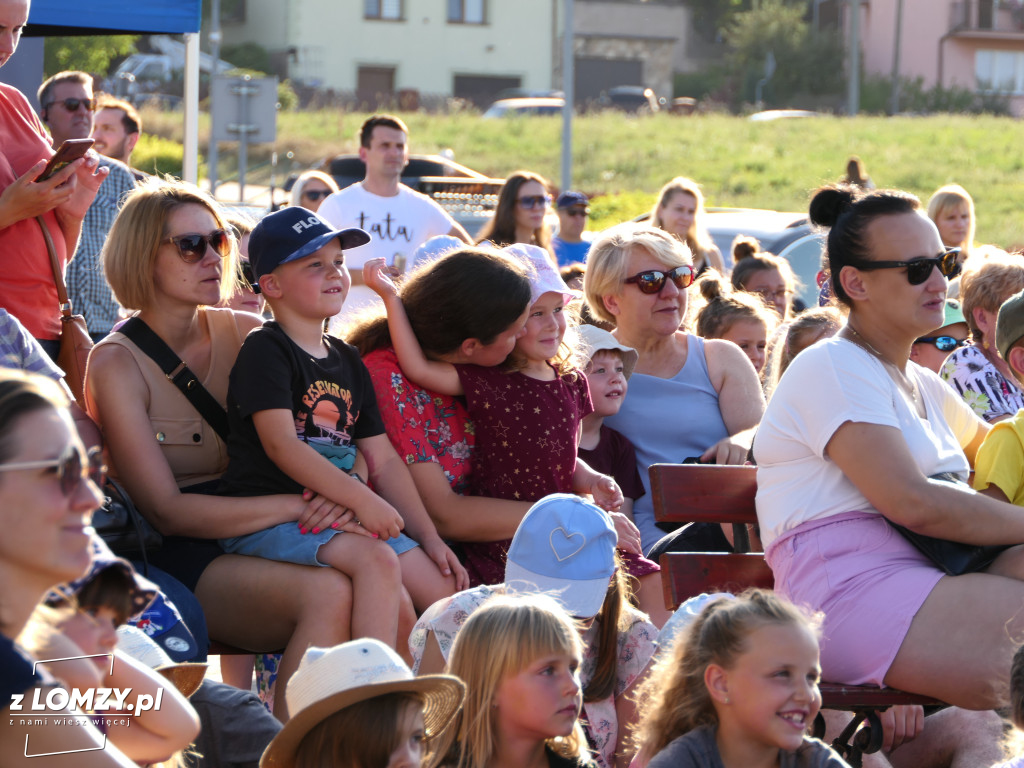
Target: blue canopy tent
{"type": "Point", "coordinates": [119, 17]}
{"type": "Point", "coordinates": [113, 17]}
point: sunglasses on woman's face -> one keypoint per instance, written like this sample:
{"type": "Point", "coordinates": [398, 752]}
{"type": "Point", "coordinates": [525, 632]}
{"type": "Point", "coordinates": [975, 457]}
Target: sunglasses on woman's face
{"type": "Point", "coordinates": [944, 343]}
{"type": "Point", "coordinates": [653, 280]}
{"type": "Point", "coordinates": [192, 248]}
{"type": "Point", "coordinates": [70, 468]}
{"type": "Point", "coordinates": [316, 194]}
{"type": "Point", "coordinates": [920, 270]}
{"type": "Point", "coordinates": [530, 202]}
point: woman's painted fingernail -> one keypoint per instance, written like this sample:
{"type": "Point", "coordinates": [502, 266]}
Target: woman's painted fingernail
{"type": "Point", "coordinates": [334, 525]}
{"type": "Point", "coordinates": [376, 536]}
{"type": "Point", "coordinates": [301, 529]}
{"type": "Point", "coordinates": [316, 530]}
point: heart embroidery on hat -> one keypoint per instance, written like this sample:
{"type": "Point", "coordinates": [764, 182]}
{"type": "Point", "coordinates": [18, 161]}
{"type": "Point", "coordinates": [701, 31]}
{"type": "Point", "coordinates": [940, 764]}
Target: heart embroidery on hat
{"type": "Point", "coordinates": [563, 545]}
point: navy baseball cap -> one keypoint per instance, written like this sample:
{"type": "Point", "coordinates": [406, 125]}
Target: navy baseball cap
{"type": "Point", "coordinates": [293, 233]}
{"type": "Point", "coordinates": [570, 198]}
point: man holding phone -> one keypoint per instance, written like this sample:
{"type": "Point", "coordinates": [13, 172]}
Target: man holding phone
{"type": "Point", "coordinates": [68, 110]}
{"type": "Point", "coordinates": [27, 289]}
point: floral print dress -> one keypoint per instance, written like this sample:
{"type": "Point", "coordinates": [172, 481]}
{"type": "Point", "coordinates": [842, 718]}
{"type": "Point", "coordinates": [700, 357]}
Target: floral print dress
{"type": "Point", "coordinates": [990, 394]}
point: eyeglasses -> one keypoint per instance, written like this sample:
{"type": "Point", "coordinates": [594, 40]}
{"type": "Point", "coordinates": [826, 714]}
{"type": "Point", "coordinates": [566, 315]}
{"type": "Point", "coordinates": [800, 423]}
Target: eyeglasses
{"type": "Point", "coordinates": [781, 293]}
{"type": "Point", "coordinates": [70, 468]}
{"type": "Point", "coordinates": [576, 212]}
{"type": "Point", "coordinates": [192, 248]}
{"type": "Point", "coordinates": [919, 270]}
{"type": "Point", "coordinates": [944, 343]}
{"type": "Point", "coordinates": [530, 202]}
{"type": "Point", "coordinates": [72, 105]}
{"type": "Point", "coordinates": [316, 194]}
{"type": "Point", "coordinates": [653, 280]}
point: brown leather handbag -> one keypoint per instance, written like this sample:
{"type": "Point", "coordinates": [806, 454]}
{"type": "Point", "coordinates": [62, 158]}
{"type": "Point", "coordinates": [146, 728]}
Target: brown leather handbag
{"type": "Point", "coordinates": [75, 341]}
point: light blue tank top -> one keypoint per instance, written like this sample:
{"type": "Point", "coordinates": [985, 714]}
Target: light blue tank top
{"type": "Point", "coordinates": [669, 420]}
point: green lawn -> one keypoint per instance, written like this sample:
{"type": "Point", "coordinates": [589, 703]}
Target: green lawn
{"type": "Point", "coordinates": [625, 160]}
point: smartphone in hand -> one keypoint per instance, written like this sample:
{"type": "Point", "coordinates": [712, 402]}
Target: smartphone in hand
{"type": "Point", "coordinates": [68, 152]}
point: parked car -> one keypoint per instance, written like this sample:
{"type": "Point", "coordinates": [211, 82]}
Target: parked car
{"type": "Point", "coordinates": [786, 234]}
{"type": "Point", "coordinates": [630, 98]}
{"type": "Point", "coordinates": [469, 196]}
{"type": "Point", "coordinates": [530, 106]}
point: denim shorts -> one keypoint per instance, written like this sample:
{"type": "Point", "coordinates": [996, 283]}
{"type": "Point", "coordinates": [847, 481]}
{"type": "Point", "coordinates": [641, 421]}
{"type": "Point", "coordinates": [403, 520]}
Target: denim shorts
{"type": "Point", "coordinates": [286, 543]}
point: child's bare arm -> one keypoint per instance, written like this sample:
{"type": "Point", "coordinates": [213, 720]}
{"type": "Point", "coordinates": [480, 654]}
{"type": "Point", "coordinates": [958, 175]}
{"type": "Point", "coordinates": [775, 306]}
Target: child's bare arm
{"type": "Point", "coordinates": [603, 488]}
{"type": "Point", "coordinates": [302, 463]}
{"type": "Point", "coordinates": [154, 734]}
{"type": "Point", "coordinates": [391, 478]}
{"type": "Point", "coordinates": [430, 374]}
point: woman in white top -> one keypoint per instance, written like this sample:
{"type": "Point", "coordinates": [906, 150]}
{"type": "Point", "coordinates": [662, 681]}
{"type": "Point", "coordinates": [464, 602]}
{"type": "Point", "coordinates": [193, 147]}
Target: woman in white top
{"type": "Point", "coordinates": [849, 442]}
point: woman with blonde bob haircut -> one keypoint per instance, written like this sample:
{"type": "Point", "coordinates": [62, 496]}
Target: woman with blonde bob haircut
{"type": "Point", "coordinates": [506, 640]}
{"type": "Point", "coordinates": [689, 397]}
{"type": "Point", "coordinates": [680, 211]}
{"type": "Point", "coordinates": [171, 256]}
{"type": "Point", "coordinates": [138, 233]}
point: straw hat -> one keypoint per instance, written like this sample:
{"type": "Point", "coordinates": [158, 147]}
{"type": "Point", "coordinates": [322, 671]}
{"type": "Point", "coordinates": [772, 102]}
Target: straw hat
{"type": "Point", "coordinates": [330, 679]}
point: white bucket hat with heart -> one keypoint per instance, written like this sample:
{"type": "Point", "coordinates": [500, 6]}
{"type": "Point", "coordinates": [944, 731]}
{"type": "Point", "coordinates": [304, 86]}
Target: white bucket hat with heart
{"type": "Point", "coordinates": [564, 546]}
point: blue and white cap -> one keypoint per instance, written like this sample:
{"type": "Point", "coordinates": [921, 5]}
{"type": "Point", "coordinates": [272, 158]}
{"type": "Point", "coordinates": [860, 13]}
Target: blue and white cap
{"type": "Point", "coordinates": [564, 546]}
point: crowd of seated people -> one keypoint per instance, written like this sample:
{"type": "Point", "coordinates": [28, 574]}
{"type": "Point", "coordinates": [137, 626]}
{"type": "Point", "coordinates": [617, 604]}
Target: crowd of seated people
{"type": "Point", "coordinates": [326, 497]}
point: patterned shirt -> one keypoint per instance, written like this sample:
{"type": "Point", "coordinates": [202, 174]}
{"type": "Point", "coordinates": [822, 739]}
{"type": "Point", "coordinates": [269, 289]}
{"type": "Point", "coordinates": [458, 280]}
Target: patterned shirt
{"type": "Point", "coordinates": [990, 394]}
{"type": "Point", "coordinates": [19, 350]}
{"type": "Point", "coordinates": [88, 289]}
{"type": "Point", "coordinates": [636, 644]}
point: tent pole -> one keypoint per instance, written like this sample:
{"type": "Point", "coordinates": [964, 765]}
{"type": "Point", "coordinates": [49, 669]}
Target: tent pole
{"type": "Point", "coordinates": [190, 166]}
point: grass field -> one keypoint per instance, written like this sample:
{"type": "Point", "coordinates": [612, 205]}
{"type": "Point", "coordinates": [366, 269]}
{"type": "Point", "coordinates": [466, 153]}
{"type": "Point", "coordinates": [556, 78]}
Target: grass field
{"type": "Point", "coordinates": [625, 160]}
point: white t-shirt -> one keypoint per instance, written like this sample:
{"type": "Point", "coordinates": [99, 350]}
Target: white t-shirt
{"type": "Point", "coordinates": [398, 225]}
{"type": "Point", "coordinates": [834, 382]}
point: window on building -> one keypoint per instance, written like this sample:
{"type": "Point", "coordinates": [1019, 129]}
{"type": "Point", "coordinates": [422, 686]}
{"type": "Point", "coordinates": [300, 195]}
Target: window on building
{"type": "Point", "coordinates": [999, 71]}
{"type": "Point", "coordinates": [383, 9]}
{"type": "Point", "coordinates": [467, 12]}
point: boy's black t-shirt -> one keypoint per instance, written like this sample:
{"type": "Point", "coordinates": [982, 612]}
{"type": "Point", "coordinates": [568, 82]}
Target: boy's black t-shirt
{"type": "Point", "coordinates": [332, 399]}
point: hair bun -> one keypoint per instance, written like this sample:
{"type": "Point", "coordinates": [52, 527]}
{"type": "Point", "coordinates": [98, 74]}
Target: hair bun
{"type": "Point", "coordinates": [830, 202]}
{"type": "Point", "coordinates": [711, 285]}
{"type": "Point", "coordinates": [744, 246]}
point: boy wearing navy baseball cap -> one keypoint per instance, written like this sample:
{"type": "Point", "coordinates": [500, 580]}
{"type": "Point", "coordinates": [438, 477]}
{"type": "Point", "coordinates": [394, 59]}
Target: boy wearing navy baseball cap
{"type": "Point", "coordinates": [304, 417]}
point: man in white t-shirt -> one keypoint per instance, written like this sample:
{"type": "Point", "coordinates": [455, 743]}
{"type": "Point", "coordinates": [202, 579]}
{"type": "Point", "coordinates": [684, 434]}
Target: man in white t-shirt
{"type": "Point", "coordinates": [399, 219]}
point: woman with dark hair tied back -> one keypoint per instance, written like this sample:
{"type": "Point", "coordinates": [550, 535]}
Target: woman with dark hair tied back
{"type": "Point", "coordinates": [856, 437]}
{"type": "Point", "coordinates": [763, 273]}
{"type": "Point", "coordinates": [520, 216]}
{"type": "Point", "coordinates": [469, 306]}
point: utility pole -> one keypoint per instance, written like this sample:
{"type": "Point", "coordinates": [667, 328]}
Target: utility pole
{"type": "Point", "coordinates": [568, 88]}
{"type": "Point", "coordinates": [215, 38]}
{"type": "Point", "coordinates": [853, 91]}
{"type": "Point", "coordinates": [894, 101]}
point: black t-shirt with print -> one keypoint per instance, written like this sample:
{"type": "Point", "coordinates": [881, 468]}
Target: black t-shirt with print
{"type": "Point", "coordinates": [331, 398]}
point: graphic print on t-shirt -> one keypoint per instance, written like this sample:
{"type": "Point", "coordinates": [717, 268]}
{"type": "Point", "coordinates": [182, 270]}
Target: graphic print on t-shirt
{"type": "Point", "coordinates": [325, 420]}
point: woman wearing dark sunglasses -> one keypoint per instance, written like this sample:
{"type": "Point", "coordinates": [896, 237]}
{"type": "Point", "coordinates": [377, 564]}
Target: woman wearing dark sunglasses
{"type": "Point", "coordinates": [856, 436]}
{"type": "Point", "coordinates": [312, 188]}
{"type": "Point", "coordinates": [48, 491]}
{"type": "Point", "coordinates": [168, 256]}
{"type": "Point", "coordinates": [687, 397]}
{"type": "Point", "coordinates": [521, 213]}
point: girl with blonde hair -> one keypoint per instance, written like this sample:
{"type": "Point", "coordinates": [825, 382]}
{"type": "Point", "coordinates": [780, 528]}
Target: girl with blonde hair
{"type": "Point", "coordinates": [520, 659]}
{"type": "Point", "coordinates": [741, 686]}
{"type": "Point", "coordinates": [952, 210]}
{"type": "Point", "coordinates": [765, 274]}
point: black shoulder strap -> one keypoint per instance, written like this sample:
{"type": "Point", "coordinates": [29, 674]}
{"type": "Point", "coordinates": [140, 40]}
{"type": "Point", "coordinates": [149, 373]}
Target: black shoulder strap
{"type": "Point", "coordinates": [178, 374]}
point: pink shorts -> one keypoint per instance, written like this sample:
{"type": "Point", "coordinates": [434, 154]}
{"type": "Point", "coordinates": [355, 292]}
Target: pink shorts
{"type": "Point", "coordinates": [867, 580]}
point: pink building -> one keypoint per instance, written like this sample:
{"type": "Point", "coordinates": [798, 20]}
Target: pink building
{"type": "Point", "coordinates": [974, 44]}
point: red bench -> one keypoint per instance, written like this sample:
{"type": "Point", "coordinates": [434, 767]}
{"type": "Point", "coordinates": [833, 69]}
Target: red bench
{"type": "Point", "coordinates": [707, 493]}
